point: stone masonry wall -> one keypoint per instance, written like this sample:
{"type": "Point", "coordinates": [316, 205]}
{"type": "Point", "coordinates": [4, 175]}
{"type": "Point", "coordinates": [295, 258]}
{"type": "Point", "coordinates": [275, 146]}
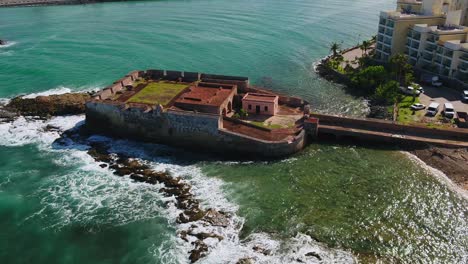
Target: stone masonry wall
{"type": "Point", "coordinates": [183, 129]}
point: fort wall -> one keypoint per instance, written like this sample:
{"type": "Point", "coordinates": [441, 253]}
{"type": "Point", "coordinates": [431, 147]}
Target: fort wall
{"type": "Point", "coordinates": [183, 129]}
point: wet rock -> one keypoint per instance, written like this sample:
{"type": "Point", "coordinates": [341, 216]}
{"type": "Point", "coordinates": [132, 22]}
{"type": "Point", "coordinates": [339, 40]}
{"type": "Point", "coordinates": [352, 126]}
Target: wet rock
{"type": "Point", "coordinates": [52, 105]}
{"type": "Point", "coordinates": [261, 250]}
{"type": "Point", "coordinates": [216, 218]}
{"type": "Point", "coordinates": [137, 177]}
{"type": "Point", "coordinates": [198, 252]}
{"type": "Point", "coordinates": [245, 261]}
{"type": "Point", "coordinates": [51, 128]}
{"type": "Point", "coordinates": [2, 42]}
{"type": "Point", "coordinates": [190, 216]}
{"type": "Point", "coordinates": [203, 236]}
{"type": "Point", "coordinates": [313, 254]}
{"type": "Point", "coordinates": [103, 165]}
{"type": "Point", "coordinates": [7, 116]}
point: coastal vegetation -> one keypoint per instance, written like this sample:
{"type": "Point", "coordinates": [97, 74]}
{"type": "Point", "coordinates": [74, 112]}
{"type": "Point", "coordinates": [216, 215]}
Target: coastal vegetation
{"type": "Point", "coordinates": [157, 93]}
{"type": "Point", "coordinates": [365, 77]}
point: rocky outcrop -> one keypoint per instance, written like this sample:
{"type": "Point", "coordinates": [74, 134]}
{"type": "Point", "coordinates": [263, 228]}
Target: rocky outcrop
{"type": "Point", "coordinates": [173, 187]}
{"type": "Point", "coordinates": [52, 105]}
{"type": "Point", "coordinates": [2, 42]}
{"type": "Point", "coordinates": [452, 162]}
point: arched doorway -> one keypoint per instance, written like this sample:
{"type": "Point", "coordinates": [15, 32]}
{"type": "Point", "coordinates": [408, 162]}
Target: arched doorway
{"type": "Point", "coordinates": [229, 107]}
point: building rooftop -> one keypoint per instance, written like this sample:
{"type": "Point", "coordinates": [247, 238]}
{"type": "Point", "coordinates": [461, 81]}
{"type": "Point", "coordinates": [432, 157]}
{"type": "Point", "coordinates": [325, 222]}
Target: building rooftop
{"type": "Point", "coordinates": [213, 94]}
{"type": "Point", "coordinates": [260, 97]}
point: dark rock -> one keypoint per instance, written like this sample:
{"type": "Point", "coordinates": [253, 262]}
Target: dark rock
{"type": "Point", "coordinates": [203, 236]}
{"type": "Point", "coordinates": [190, 216]}
{"type": "Point", "coordinates": [51, 128]}
{"type": "Point", "coordinates": [216, 218]}
{"type": "Point", "coordinates": [103, 165]}
{"type": "Point", "coordinates": [7, 116]}
{"type": "Point", "coordinates": [138, 177]}
{"type": "Point", "coordinates": [313, 254]}
{"type": "Point", "coordinates": [262, 250]}
{"type": "Point", "coordinates": [198, 252]}
{"type": "Point", "coordinates": [2, 42]}
{"type": "Point", "coordinates": [245, 261]}
{"type": "Point", "coordinates": [52, 105]}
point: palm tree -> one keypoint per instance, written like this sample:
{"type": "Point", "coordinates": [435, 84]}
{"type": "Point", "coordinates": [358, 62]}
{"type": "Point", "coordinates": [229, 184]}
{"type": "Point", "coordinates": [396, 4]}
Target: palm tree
{"type": "Point", "coordinates": [365, 46]}
{"type": "Point", "coordinates": [334, 47]}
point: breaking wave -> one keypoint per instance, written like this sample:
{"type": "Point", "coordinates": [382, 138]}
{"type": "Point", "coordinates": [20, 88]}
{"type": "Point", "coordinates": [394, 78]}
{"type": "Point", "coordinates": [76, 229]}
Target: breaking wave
{"type": "Point", "coordinates": [94, 198]}
{"type": "Point", "coordinates": [8, 44]}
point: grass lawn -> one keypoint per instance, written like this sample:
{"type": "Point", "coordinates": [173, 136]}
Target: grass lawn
{"type": "Point", "coordinates": [405, 114]}
{"type": "Point", "coordinates": [262, 124]}
{"type": "Point", "coordinates": [157, 93]}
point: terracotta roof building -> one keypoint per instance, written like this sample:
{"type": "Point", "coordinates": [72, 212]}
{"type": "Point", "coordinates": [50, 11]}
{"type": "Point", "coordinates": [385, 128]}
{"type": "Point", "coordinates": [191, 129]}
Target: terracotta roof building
{"type": "Point", "coordinates": [260, 104]}
{"type": "Point", "coordinates": [212, 98]}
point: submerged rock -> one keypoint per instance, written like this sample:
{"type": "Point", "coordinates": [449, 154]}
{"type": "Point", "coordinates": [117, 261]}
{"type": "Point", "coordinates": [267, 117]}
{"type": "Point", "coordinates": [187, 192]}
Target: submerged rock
{"type": "Point", "coordinates": [52, 105]}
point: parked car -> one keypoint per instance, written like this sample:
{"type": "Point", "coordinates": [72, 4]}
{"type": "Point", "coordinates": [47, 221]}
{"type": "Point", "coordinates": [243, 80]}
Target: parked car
{"type": "Point", "coordinates": [418, 106]}
{"type": "Point", "coordinates": [448, 111]}
{"type": "Point", "coordinates": [410, 90]}
{"type": "Point", "coordinates": [433, 109]}
{"type": "Point", "coordinates": [436, 82]}
{"type": "Point", "coordinates": [465, 96]}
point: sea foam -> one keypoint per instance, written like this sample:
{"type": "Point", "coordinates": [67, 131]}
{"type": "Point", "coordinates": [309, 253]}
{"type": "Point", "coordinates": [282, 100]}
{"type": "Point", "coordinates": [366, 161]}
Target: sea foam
{"type": "Point", "coordinates": [93, 197]}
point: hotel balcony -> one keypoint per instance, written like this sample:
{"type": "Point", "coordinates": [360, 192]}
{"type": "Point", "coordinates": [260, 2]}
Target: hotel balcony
{"type": "Point", "coordinates": [463, 67]}
{"type": "Point", "coordinates": [464, 57]}
{"type": "Point", "coordinates": [430, 48]}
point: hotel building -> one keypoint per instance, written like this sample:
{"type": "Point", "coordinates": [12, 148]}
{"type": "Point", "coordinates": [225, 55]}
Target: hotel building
{"type": "Point", "coordinates": [433, 33]}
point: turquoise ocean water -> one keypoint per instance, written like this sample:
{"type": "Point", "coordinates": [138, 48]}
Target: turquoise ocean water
{"type": "Point", "coordinates": [58, 206]}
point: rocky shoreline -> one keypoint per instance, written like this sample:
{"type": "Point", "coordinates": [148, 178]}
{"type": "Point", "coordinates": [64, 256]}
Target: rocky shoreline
{"type": "Point", "coordinates": [452, 162]}
{"type": "Point", "coordinates": [173, 187]}
{"type": "Point", "coordinates": [45, 106]}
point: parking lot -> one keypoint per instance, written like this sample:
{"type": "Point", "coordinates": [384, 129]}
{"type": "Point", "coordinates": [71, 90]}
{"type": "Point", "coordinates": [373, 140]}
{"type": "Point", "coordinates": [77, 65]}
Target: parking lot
{"type": "Point", "coordinates": [443, 95]}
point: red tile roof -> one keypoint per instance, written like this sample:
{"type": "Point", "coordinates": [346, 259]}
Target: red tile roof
{"type": "Point", "coordinates": [260, 97]}
{"type": "Point", "coordinates": [201, 95]}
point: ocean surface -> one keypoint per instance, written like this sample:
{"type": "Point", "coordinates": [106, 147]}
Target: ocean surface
{"type": "Point", "coordinates": [345, 202]}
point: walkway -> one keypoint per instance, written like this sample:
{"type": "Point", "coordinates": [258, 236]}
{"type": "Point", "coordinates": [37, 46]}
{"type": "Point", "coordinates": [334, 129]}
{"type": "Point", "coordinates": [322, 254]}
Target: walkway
{"type": "Point", "coordinates": [379, 130]}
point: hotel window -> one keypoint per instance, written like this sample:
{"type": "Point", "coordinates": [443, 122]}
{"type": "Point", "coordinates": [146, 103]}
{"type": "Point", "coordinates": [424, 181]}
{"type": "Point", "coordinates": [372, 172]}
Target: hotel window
{"type": "Point", "coordinates": [250, 107]}
{"type": "Point", "coordinates": [266, 108]}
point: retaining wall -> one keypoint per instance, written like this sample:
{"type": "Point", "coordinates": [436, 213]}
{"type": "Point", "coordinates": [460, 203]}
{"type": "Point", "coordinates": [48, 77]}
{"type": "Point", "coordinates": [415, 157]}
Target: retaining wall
{"type": "Point", "coordinates": [388, 126]}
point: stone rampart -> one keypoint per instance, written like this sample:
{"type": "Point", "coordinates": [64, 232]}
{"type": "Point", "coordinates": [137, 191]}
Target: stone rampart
{"type": "Point", "coordinates": [184, 129]}
{"type": "Point", "coordinates": [253, 147]}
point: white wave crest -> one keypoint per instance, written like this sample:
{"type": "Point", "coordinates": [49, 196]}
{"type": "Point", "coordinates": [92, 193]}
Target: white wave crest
{"type": "Point", "coordinates": [94, 198]}
{"type": "Point", "coordinates": [58, 90]}
{"type": "Point", "coordinates": [8, 44]}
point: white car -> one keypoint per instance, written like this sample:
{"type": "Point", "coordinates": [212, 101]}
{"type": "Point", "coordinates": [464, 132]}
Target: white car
{"type": "Point", "coordinates": [449, 112]}
{"type": "Point", "coordinates": [435, 81]}
{"type": "Point", "coordinates": [410, 90]}
{"type": "Point", "coordinates": [418, 106]}
{"type": "Point", "coordinates": [433, 109]}
{"type": "Point", "coordinates": [465, 96]}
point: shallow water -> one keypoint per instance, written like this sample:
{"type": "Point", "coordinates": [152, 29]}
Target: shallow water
{"type": "Point", "coordinates": [57, 205]}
